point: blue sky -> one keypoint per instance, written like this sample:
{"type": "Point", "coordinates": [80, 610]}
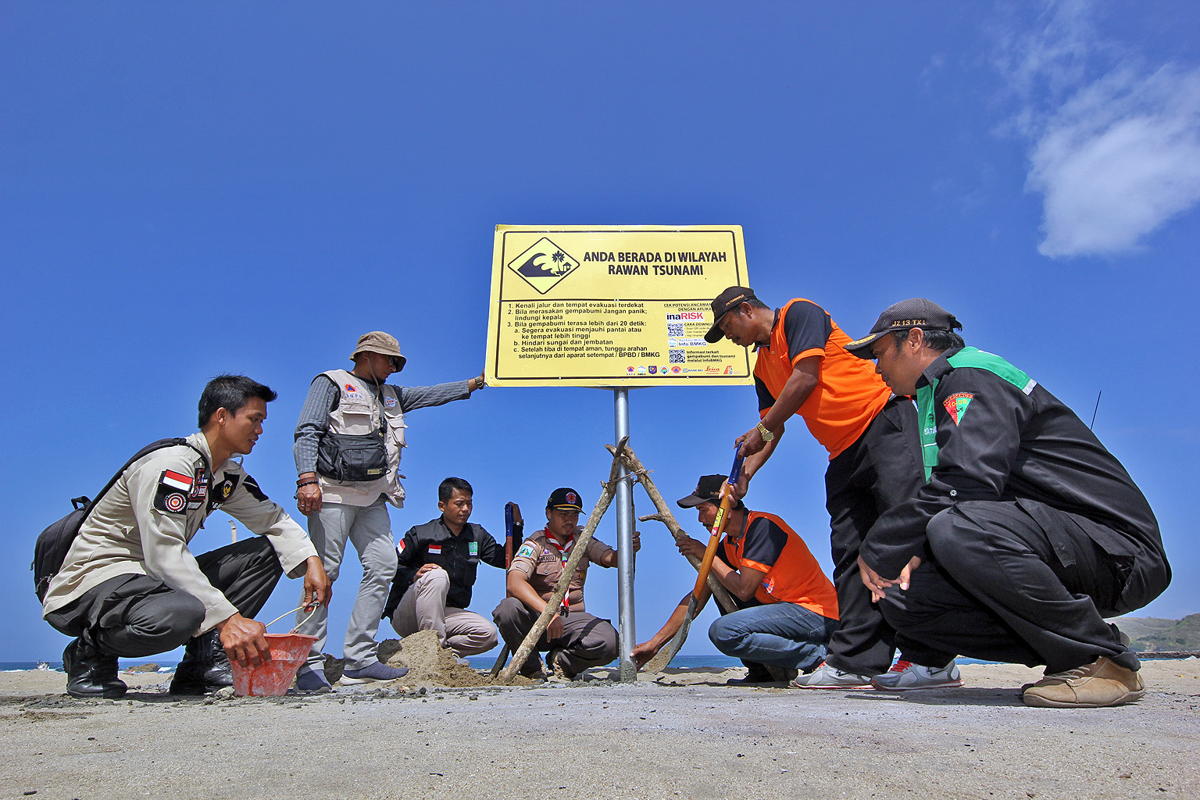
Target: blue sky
{"type": "Point", "coordinates": [187, 190]}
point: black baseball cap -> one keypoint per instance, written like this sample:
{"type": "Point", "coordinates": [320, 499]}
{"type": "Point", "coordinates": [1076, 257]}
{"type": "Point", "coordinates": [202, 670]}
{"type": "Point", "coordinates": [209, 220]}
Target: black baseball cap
{"type": "Point", "coordinates": [565, 500]}
{"type": "Point", "coordinates": [725, 302]}
{"type": "Point", "coordinates": [708, 490]}
{"type": "Point", "coordinates": [916, 312]}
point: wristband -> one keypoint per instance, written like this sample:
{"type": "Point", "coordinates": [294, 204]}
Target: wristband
{"type": "Point", "coordinates": [766, 433]}
{"type": "Point", "coordinates": [309, 482]}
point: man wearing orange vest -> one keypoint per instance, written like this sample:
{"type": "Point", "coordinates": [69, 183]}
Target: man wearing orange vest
{"type": "Point", "coordinates": [789, 608]}
{"type": "Point", "coordinates": [803, 368]}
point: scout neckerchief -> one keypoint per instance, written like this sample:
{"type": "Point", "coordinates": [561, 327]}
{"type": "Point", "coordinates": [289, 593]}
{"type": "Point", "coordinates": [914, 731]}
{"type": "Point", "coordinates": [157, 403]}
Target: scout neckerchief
{"type": "Point", "coordinates": [956, 405]}
{"type": "Point", "coordinates": [563, 554]}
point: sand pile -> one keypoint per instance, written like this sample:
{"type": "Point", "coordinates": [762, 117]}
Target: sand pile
{"type": "Point", "coordinates": [428, 662]}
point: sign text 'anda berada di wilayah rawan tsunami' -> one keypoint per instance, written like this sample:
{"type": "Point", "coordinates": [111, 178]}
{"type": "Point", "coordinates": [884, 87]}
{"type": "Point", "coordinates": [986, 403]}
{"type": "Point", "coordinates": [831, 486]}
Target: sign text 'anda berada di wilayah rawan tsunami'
{"type": "Point", "coordinates": [579, 305]}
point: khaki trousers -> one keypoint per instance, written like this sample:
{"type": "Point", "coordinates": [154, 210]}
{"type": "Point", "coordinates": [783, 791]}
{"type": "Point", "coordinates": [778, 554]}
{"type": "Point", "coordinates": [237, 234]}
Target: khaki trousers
{"type": "Point", "coordinates": [424, 608]}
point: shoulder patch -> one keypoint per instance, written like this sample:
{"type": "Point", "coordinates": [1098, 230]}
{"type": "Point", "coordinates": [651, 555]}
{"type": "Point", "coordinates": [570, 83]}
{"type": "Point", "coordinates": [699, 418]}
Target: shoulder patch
{"type": "Point", "coordinates": [956, 405]}
{"type": "Point", "coordinates": [221, 492]}
{"type": "Point", "coordinates": [170, 500]}
{"type": "Point", "coordinates": [525, 551]}
{"type": "Point", "coordinates": [175, 480]}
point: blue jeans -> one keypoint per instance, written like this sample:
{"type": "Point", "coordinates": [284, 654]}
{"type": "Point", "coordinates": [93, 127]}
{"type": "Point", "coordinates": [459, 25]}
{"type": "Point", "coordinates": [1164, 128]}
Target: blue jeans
{"type": "Point", "coordinates": [783, 634]}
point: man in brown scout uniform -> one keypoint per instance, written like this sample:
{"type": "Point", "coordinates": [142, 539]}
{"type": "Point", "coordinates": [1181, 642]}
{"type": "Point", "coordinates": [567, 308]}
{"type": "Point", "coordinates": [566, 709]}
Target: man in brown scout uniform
{"type": "Point", "coordinates": [574, 638]}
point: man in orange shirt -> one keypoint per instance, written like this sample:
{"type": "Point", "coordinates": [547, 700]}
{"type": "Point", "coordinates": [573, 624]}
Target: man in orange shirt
{"type": "Point", "coordinates": [789, 607]}
{"type": "Point", "coordinates": [803, 368]}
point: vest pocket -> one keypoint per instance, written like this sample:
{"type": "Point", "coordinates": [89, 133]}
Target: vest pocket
{"type": "Point", "coordinates": [351, 457]}
{"type": "Point", "coordinates": [396, 429]}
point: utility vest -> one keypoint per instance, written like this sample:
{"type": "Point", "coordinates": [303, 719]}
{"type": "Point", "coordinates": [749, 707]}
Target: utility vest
{"type": "Point", "coordinates": [358, 413]}
{"type": "Point", "coordinates": [967, 357]}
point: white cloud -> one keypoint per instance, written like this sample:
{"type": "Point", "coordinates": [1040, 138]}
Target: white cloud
{"type": "Point", "coordinates": [1115, 149]}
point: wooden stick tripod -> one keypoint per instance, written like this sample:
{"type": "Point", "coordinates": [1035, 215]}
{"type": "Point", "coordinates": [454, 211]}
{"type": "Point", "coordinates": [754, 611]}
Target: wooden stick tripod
{"type": "Point", "coordinates": [621, 453]}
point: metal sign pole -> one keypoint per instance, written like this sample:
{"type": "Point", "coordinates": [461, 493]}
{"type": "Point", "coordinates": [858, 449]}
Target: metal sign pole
{"type": "Point", "coordinates": [626, 635]}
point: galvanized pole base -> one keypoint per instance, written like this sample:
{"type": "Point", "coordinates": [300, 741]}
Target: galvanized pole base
{"type": "Point", "coordinates": [626, 634]}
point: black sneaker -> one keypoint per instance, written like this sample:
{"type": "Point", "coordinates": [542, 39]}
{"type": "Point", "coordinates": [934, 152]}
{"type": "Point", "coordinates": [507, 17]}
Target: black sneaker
{"type": "Point", "coordinates": [756, 674]}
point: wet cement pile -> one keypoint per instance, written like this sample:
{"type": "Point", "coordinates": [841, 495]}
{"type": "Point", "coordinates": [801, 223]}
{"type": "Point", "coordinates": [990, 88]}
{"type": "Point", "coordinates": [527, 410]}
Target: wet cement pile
{"type": "Point", "coordinates": [429, 664]}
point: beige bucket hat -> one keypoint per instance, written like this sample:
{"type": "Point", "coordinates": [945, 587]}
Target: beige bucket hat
{"type": "Point", "coordinates": [379, 342]}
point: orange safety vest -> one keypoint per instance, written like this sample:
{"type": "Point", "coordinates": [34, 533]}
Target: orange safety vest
{"type": "Point", "coordinates": [848, 393]}
{"type": "Point", "coordinates": [795, 577]}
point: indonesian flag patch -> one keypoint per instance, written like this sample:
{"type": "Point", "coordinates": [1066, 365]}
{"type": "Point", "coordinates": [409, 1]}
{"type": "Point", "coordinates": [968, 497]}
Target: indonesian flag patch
{"type": "Point", "coordinates": [176, 480]}
{"type": "Point", "coordinates": [956, 405]}
{"type": "Point", "coordinates": [435, 549]}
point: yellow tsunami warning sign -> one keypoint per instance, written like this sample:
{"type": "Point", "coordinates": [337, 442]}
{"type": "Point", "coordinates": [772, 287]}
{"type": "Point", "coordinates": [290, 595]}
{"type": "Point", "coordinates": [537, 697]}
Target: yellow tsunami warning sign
{"type": "Point", "coordinates": [578, 305]}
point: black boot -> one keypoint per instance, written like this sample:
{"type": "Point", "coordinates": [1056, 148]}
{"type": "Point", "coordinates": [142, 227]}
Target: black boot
{"type": "Point", "coordinates": [204, 668]}
{"type": "Point", "coordinates": [91, 673]}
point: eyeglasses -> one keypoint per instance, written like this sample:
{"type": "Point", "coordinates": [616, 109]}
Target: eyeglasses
{"type": "Point", "coordinates": [397, 363]}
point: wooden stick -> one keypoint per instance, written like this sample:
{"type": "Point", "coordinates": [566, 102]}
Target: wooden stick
{"type": "Point", "coordinates": [529, 643]}
{"type": "Point", "coordinates": [664, 515]}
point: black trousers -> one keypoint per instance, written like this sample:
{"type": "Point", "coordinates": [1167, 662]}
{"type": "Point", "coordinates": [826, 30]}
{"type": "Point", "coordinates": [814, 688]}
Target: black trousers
{"type": "Point", "coordinates": [875, 473]}
{"type": "Point", "coordinates": [1014, 581]}
{"type": "Point", "coordinates": [137, 615]}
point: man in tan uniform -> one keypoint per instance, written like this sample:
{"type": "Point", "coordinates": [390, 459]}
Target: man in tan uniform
{"type": "Point", "coordinates": [574, 638]}
{"type": "Point", "coordinates": [129, 586]}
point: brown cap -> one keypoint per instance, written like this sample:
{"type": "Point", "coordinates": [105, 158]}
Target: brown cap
{"type": "Point", "coordinates": [725, 302]}
{"type": "Point", "coordinates": [382, 343]}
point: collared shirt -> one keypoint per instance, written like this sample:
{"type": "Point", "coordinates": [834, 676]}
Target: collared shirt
{"type": "Point", "coordinates": [143, 524]}
{"type": "Point", "coordinates": [848, 393]}
{"type": "Point", "coordinates": [542, 563]}
{"type": "Point", "coordinates": [434, 543]}
{"type": "Point", "coordinates": [995, 442]}
{"type": "Point", "coordinates": [792, 574]}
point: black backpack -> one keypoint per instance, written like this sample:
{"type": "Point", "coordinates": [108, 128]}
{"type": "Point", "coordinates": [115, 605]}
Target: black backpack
{"type": "Point", "coordinates": [53, 543]}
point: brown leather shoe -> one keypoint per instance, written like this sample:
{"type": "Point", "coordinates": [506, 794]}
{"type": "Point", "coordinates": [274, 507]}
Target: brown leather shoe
{"type": "Point", "coordinates": [1096, 685]}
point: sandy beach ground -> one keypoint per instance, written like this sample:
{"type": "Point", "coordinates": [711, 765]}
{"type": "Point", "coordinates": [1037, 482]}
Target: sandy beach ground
{"type": "Point", "coordinates": [681, 734]}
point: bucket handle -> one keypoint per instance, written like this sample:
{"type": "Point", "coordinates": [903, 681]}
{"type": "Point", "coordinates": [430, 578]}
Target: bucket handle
{"type": "Point", "coordinates": [315, 606]}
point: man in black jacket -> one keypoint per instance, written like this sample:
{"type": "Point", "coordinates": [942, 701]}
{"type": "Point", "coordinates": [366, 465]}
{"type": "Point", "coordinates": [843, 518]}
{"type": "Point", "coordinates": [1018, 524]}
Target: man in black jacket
{"type": "Point", "coordinates": [1027, 532]}
{"type": "Point", "coordinates": [437, 563]}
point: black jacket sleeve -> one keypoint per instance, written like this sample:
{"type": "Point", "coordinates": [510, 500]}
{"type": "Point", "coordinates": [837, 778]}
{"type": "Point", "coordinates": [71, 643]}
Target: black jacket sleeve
{"type": "Point", "coordinates": [975, 459]}
{"type": "Point", "coordinates": [490, 551]}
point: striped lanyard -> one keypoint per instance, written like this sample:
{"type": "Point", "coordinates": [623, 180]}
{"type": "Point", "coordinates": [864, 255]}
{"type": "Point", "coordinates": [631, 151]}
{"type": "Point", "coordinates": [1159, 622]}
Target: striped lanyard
{"type": "Point", "coordinates": [563, 551]}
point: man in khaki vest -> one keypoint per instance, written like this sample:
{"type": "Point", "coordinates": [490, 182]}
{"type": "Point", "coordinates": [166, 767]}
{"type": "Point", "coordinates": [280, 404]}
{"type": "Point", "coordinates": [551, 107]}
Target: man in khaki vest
{"type": "Point", "coordinates": [349, 440]}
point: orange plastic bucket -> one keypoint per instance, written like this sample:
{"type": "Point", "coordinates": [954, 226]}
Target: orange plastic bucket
{"type": "Point", "coordinates": [273, 678]}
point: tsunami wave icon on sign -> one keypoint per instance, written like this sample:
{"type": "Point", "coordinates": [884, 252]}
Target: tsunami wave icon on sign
{"type": "Point", "coordinates": [543, 265]}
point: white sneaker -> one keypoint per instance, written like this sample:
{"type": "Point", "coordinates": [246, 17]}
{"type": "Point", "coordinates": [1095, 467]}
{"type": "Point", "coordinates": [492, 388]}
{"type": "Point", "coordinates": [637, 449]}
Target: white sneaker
{"type": "Point", "coordinates": [906, 675]}
{"type": "Point", "coordinates": [827, 677]}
